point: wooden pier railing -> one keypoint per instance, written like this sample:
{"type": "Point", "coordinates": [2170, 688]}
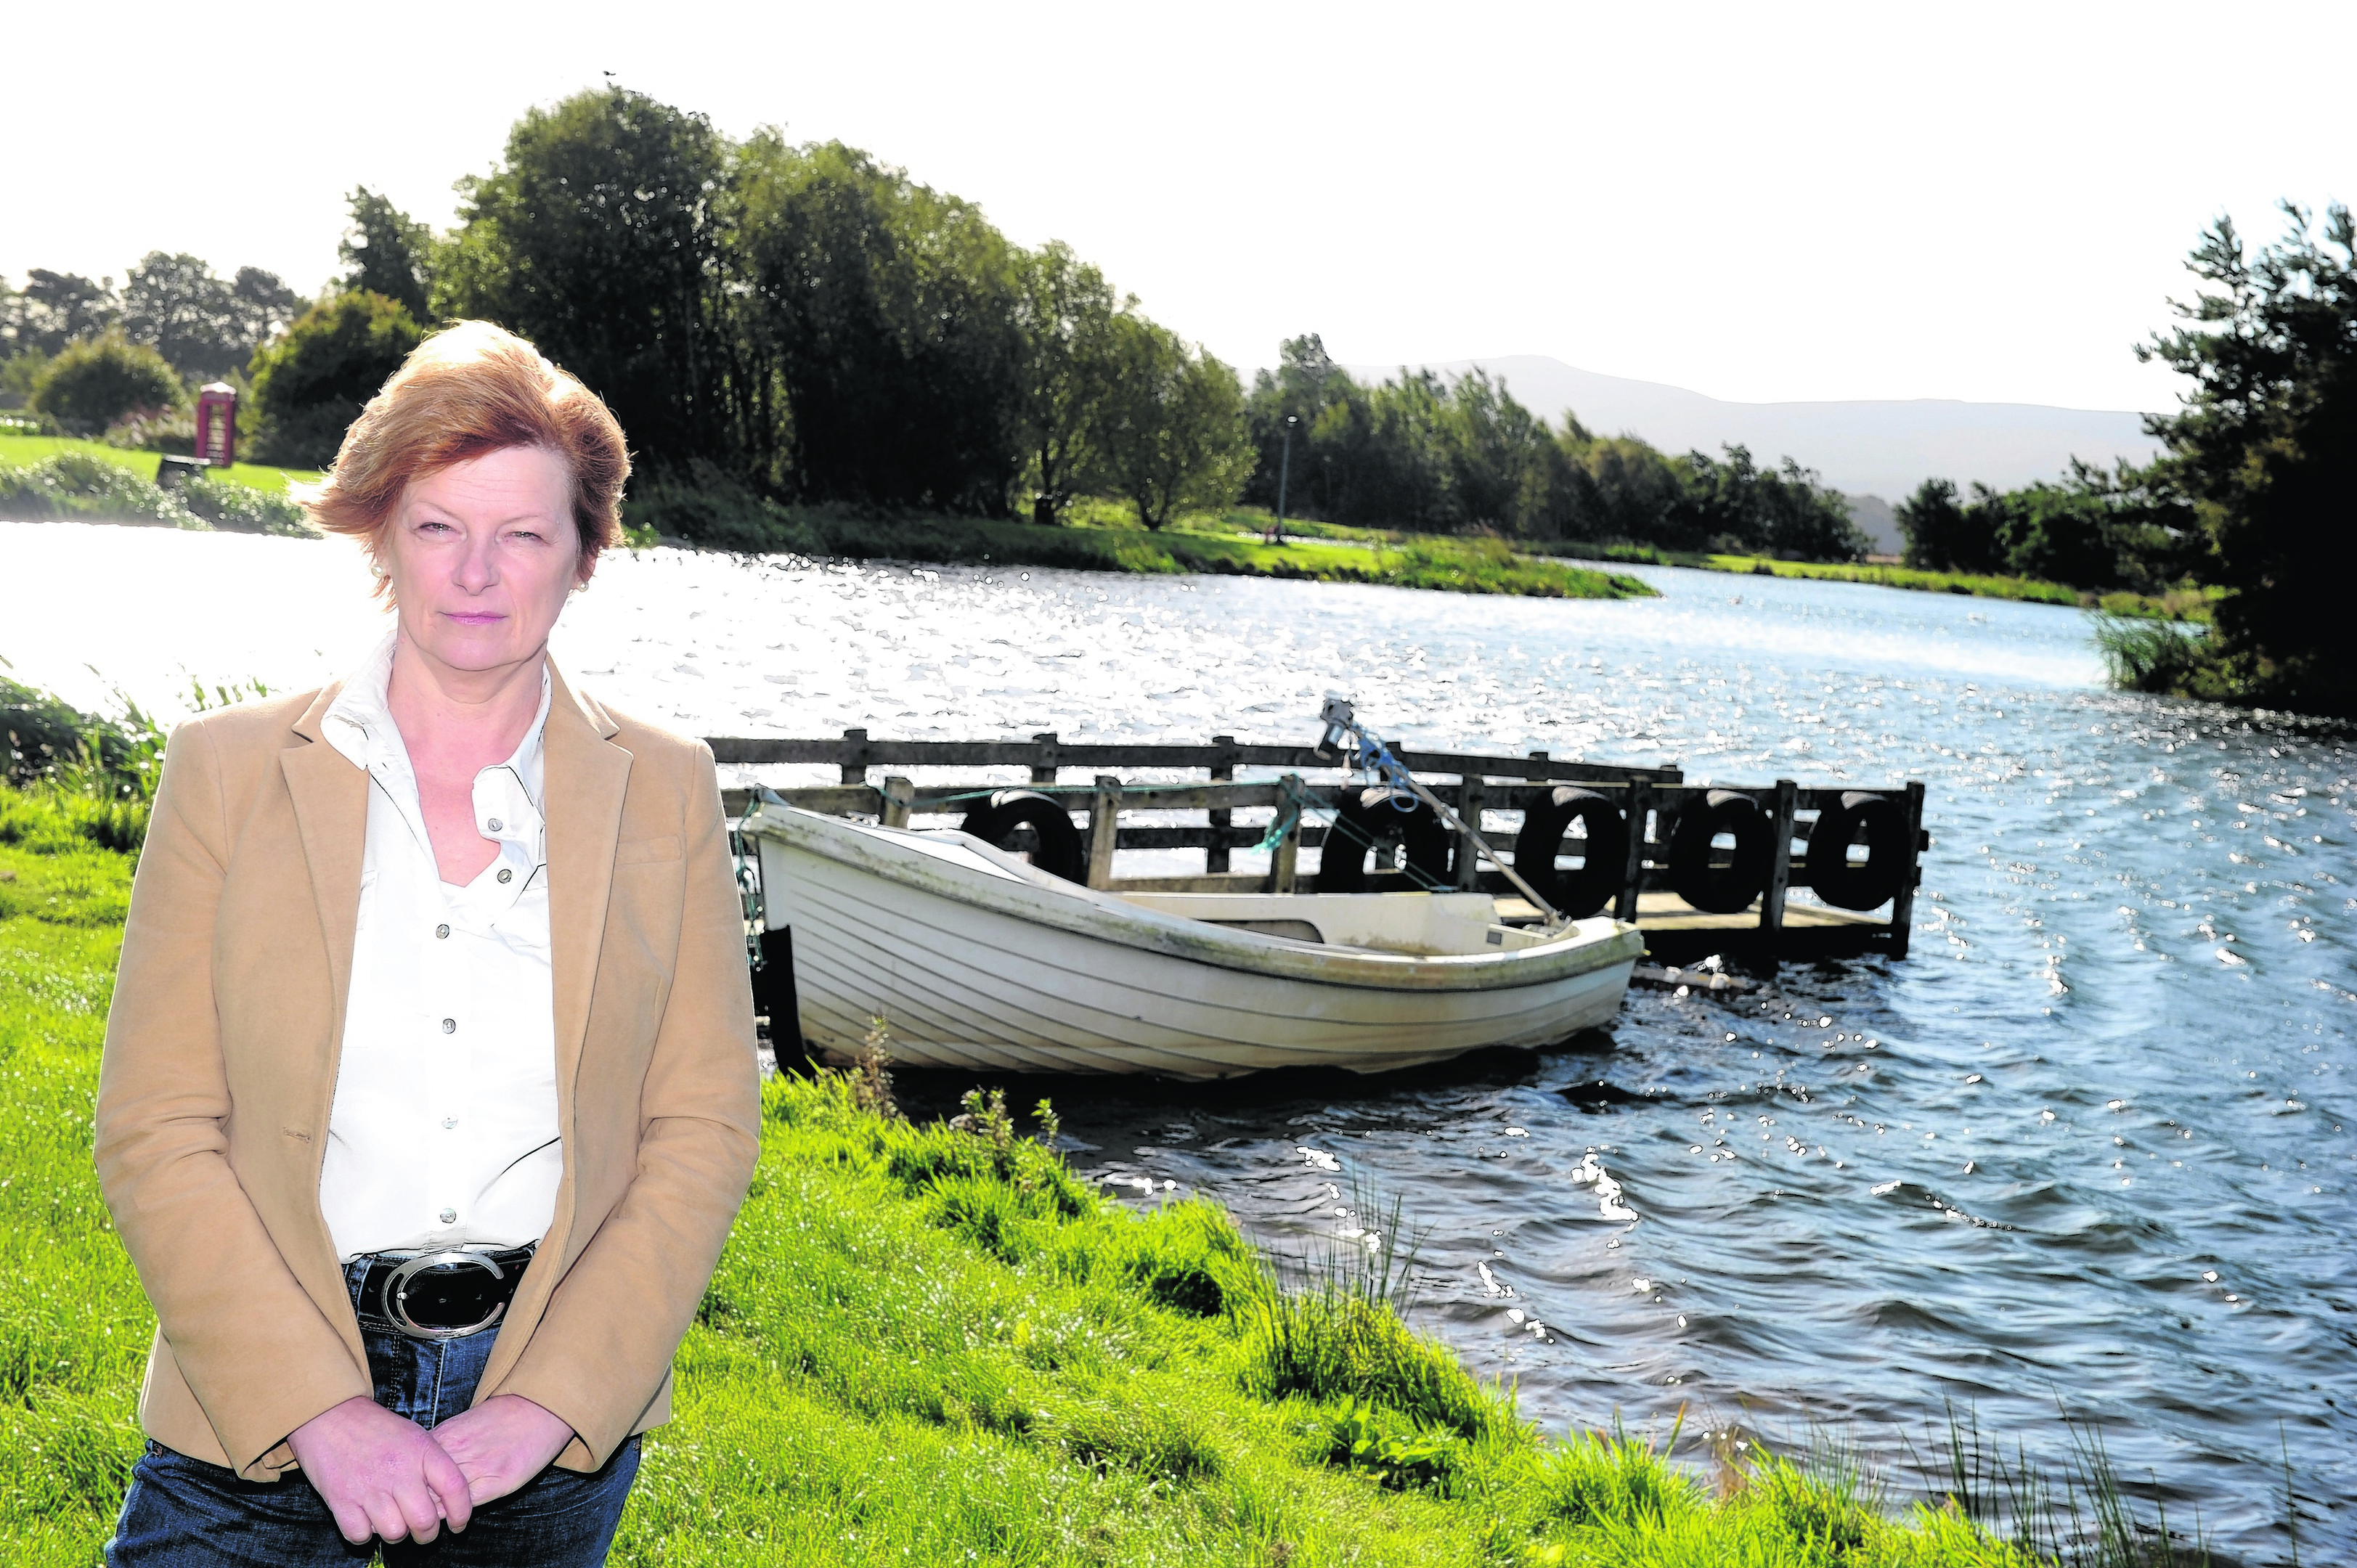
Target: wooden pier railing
{"type": "Point", "coordinates": [1652, 799]}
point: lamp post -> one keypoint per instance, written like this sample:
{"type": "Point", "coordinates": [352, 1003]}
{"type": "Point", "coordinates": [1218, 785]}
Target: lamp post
{"type": "Point", "coordinates": [1284, 475]}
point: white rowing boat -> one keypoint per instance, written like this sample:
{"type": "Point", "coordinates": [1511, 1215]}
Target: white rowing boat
{"type": "Point", "coordinates": [978, 961]}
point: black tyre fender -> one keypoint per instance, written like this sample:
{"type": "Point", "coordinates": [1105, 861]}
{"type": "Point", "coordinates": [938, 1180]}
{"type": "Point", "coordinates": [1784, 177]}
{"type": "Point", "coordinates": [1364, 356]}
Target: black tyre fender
{"type": "Point", "coordinates": [1883, 822]}
{"type": "Point", "coordinates": [1581, 893]}
{"type": "Point", "coordinates": [1367, 818]}
{"type": "Point", "coordinates": [1728, 889]}
{"type": "Point", "coordinates": [1061, 852]}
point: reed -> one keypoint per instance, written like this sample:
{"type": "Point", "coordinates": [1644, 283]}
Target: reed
{"type": "Point", "coordinates": [2148, 655]}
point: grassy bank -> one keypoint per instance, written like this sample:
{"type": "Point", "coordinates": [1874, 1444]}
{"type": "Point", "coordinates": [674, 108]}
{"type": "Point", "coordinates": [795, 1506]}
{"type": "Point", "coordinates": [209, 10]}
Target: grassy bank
{"type": "Point", "coordinates": [924, 1344]}
{"type": "Point", "coordinates": [1102, 537]}
{"type": "Point", "coordinates": [45, 476]}
{"type": "Point", "coordinates": [24, 451]}
{"type": "Point", "coordinates": [2180, 604]}
{"type": "Point", "coordinates": [84, 481]}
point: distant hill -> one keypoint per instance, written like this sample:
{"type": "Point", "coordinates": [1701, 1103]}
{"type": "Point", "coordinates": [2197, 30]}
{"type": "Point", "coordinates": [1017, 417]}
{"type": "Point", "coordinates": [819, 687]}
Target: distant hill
{"type": "Point", "coordinates": [1865, 449]}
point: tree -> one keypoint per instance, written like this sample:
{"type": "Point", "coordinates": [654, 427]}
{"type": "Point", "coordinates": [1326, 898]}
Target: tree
{"type": "Point", "coordinates": [1065, 310]}
{"type": "Point", "coordinates": [1939, 537]}
{"type": "Point", "coordinates": [312, 382]}
{"type": "Point", "coordinates": [385, 251]}
{"type": "Point", "coordinates": [1305, 384]}
{"type": "Point", "coordinates": [884, 315]}
{"type": "Point", "coordinates": [597, 238]}
{"type": "Point", "coordinates": [1785, 512]}
{"type": "Point", "coordinates": [1611, 488]}
{"type": "Point", "coordinates": [1499, 453]}
{"type": "Point", "coordinates": [1382, 456]}
{"type": "Point", "coordinates": [55, 308]}
{"type": "Point", "coordinates": [2264, 452]}
{"type": "Point", "coordinates": [94, 381]}
{"type": "Point", "coordinates": [1170, 433]}
{"type": "Point", "coordinates": [206, 325]}
{"type": "Point", "coordinates": [2088, 529]}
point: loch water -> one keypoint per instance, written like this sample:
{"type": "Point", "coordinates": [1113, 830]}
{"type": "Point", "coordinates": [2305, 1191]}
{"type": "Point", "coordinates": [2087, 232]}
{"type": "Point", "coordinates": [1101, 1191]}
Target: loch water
{"type": "Point", "coordinates": [2078, 1171]}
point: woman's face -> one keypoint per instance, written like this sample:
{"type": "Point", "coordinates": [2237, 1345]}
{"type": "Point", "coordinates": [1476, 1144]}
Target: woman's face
{"type": "Point", "coordinates": [481, 555]}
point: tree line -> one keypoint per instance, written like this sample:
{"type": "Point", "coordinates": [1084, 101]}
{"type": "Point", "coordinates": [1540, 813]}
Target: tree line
{"type": "Point", "coordinates": [811, 325]}
{"type": "Point", "coordinates": [1453, 457]}
{"type": "Point", "coordinates": [804, 323]}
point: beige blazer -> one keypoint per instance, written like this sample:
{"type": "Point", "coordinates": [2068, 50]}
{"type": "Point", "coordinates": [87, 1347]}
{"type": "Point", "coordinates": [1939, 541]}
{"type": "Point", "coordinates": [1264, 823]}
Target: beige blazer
{"type": "Point", "coordinates": [221, 1064]}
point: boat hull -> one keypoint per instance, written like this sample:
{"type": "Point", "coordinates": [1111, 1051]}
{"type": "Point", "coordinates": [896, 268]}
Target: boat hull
{"type": "Point", "coordinates": [977, 963]}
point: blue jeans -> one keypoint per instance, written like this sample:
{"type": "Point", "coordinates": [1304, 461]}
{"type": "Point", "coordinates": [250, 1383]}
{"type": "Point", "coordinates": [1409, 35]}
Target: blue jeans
{"type": "Point", "coordinates": [185, 1513]}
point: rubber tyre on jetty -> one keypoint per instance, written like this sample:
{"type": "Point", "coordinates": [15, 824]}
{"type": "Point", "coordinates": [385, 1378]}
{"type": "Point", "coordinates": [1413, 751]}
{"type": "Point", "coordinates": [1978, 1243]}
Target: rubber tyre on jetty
{"type": "Point", "coordinates": [1580, 893]}
{"type": "Point", "coordinates": [1368, 819]}
{"type": "Point", "coordinates": [1057, 850]}
{"type": "Point", "coordinates": [1842, 883]}
{"type": "Point", "coordinates": [1720, 890]}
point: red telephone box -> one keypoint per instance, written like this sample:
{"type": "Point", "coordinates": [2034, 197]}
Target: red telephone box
{"type": "Point", "coordinates": [217, 424]}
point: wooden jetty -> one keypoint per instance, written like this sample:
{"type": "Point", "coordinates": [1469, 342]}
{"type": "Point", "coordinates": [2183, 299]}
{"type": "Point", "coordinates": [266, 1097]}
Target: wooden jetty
{"type": "Point", "coordinates": [1766, 923]}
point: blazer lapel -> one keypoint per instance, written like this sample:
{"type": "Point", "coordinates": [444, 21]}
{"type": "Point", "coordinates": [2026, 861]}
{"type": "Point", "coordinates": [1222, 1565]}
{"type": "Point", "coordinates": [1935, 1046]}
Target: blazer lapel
{"type": "Point", "coordinates": [585, 779]}
{"type": "Point", "coordinates": [331, 799]}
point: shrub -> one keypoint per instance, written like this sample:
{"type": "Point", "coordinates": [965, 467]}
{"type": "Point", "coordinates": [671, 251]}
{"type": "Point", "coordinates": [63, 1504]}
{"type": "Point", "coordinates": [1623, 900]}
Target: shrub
{"type": "Point", "coordinates": [169, 430]}
{"type": "Point", "coordinates": [42, 730]}
{"type": "Point", "coordinates": [20, 372]}
{"type": "Point", "coordinates": [79, 485]}
{"type": "Point", "coordinates": [240, 508]}
{"type": "Point", "coordinates": [310, 385]}
{"type": "Point", "coordinates": [96, 381]}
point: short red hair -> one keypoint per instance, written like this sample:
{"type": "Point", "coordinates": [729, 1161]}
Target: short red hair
{"type": "Point", "coordinates": [471, 389]}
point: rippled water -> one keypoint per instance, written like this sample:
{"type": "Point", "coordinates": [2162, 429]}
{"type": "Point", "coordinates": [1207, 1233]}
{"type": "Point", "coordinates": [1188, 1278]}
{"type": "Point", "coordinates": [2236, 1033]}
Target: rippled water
{"type": "Point", "coordinates": [2087, 1150]}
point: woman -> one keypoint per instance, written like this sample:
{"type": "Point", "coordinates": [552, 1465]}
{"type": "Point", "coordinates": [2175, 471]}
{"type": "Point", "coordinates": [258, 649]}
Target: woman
{"type": "Point", "coordinates": [429, 1089]}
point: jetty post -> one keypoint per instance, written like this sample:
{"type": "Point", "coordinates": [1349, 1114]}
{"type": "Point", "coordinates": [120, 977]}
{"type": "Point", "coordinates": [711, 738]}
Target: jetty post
{"type": "Point", "coordinates": [1780, 865]}
{"type": "Point", "coordinates": [1650, 800]}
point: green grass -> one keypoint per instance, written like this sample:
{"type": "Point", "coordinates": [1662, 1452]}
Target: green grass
{"type": "Point", "coordinates": [924, 1344]}
{"type": "Point", "coordinates": [23, 451]}
{"type": "Point", "coordinates": [2188, 603]}
{"type": "Point", "coordinates": [1104, 537]}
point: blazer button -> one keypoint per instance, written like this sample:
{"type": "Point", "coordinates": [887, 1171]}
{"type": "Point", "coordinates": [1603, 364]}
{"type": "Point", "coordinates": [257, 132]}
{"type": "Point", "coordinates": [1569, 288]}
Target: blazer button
{"type": "Point", "coordinates": [450, 1216]}
{"type": "Point", "coordinates": [450, 1025]}
{"type": "Point", "coordinates": [441, 930]}
{"type": "Point", "coordinates": [506, 874]}
{"type": "Point", "coordinates": [495, 825]}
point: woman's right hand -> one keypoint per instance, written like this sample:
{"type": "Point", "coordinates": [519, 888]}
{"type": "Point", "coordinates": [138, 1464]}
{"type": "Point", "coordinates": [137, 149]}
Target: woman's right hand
{"type": "Point", "coordinates": [380, 1474]}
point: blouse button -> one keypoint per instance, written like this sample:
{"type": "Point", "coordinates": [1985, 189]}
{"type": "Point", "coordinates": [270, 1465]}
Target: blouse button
{"type": "Point", "coordinates": [506, 874]}
{"type": "Point", "coordinates": [450, 1025]}
{"type": "Point", "coordinates": [448, 1122]}
{"type": "Point", "coordinates": [450, 1216]}
{"type": "Point", "coordinates": [495, 825]}
{"type": "Point", "coordinates": [442, 931]}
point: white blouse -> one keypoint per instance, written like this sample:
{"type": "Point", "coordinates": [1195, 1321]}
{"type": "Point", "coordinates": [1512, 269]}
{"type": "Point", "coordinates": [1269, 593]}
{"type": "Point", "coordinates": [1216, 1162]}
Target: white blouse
{"type": "Point", "coordinates": [443, 1129]}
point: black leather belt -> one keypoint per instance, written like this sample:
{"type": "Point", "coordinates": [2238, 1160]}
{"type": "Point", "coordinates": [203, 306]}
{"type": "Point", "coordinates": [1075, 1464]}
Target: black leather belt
{"type": "Point", "coordinates": [439, 1296]}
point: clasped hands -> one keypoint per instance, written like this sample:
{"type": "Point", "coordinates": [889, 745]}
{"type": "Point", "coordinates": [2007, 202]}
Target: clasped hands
{"type": "Point", "coordinates": [382, 1474]}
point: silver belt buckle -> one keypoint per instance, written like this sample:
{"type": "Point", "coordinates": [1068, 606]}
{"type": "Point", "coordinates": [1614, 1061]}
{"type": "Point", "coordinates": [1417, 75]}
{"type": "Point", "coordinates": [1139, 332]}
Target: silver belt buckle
{"type": "Point", "coordinates": [397, 1287]}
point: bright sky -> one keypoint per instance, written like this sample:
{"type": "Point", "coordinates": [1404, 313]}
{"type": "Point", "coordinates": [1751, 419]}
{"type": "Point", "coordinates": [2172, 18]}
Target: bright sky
{"type": "Point", "coordinates": [1759, 202]}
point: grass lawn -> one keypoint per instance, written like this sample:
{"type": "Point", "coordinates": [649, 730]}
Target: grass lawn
{"type": "Point", "coordinates": [1106, 537]}
{"type": "Point", "coordinates": [2178, 604]}
{"type": "Point", "coordinates": [923, 1345]}
{"type": "Point", "coordinates": [23, 451]}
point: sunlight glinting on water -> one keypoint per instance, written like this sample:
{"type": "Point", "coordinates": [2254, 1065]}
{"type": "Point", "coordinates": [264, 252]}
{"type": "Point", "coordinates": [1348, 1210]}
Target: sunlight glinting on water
{"type": "Point", "coordinates": [2089, 1145]}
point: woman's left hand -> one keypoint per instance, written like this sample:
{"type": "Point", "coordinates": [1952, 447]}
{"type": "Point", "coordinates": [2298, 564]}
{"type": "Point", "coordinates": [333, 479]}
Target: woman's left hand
{"type": "Point", "coordinates": [501, 1442]}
